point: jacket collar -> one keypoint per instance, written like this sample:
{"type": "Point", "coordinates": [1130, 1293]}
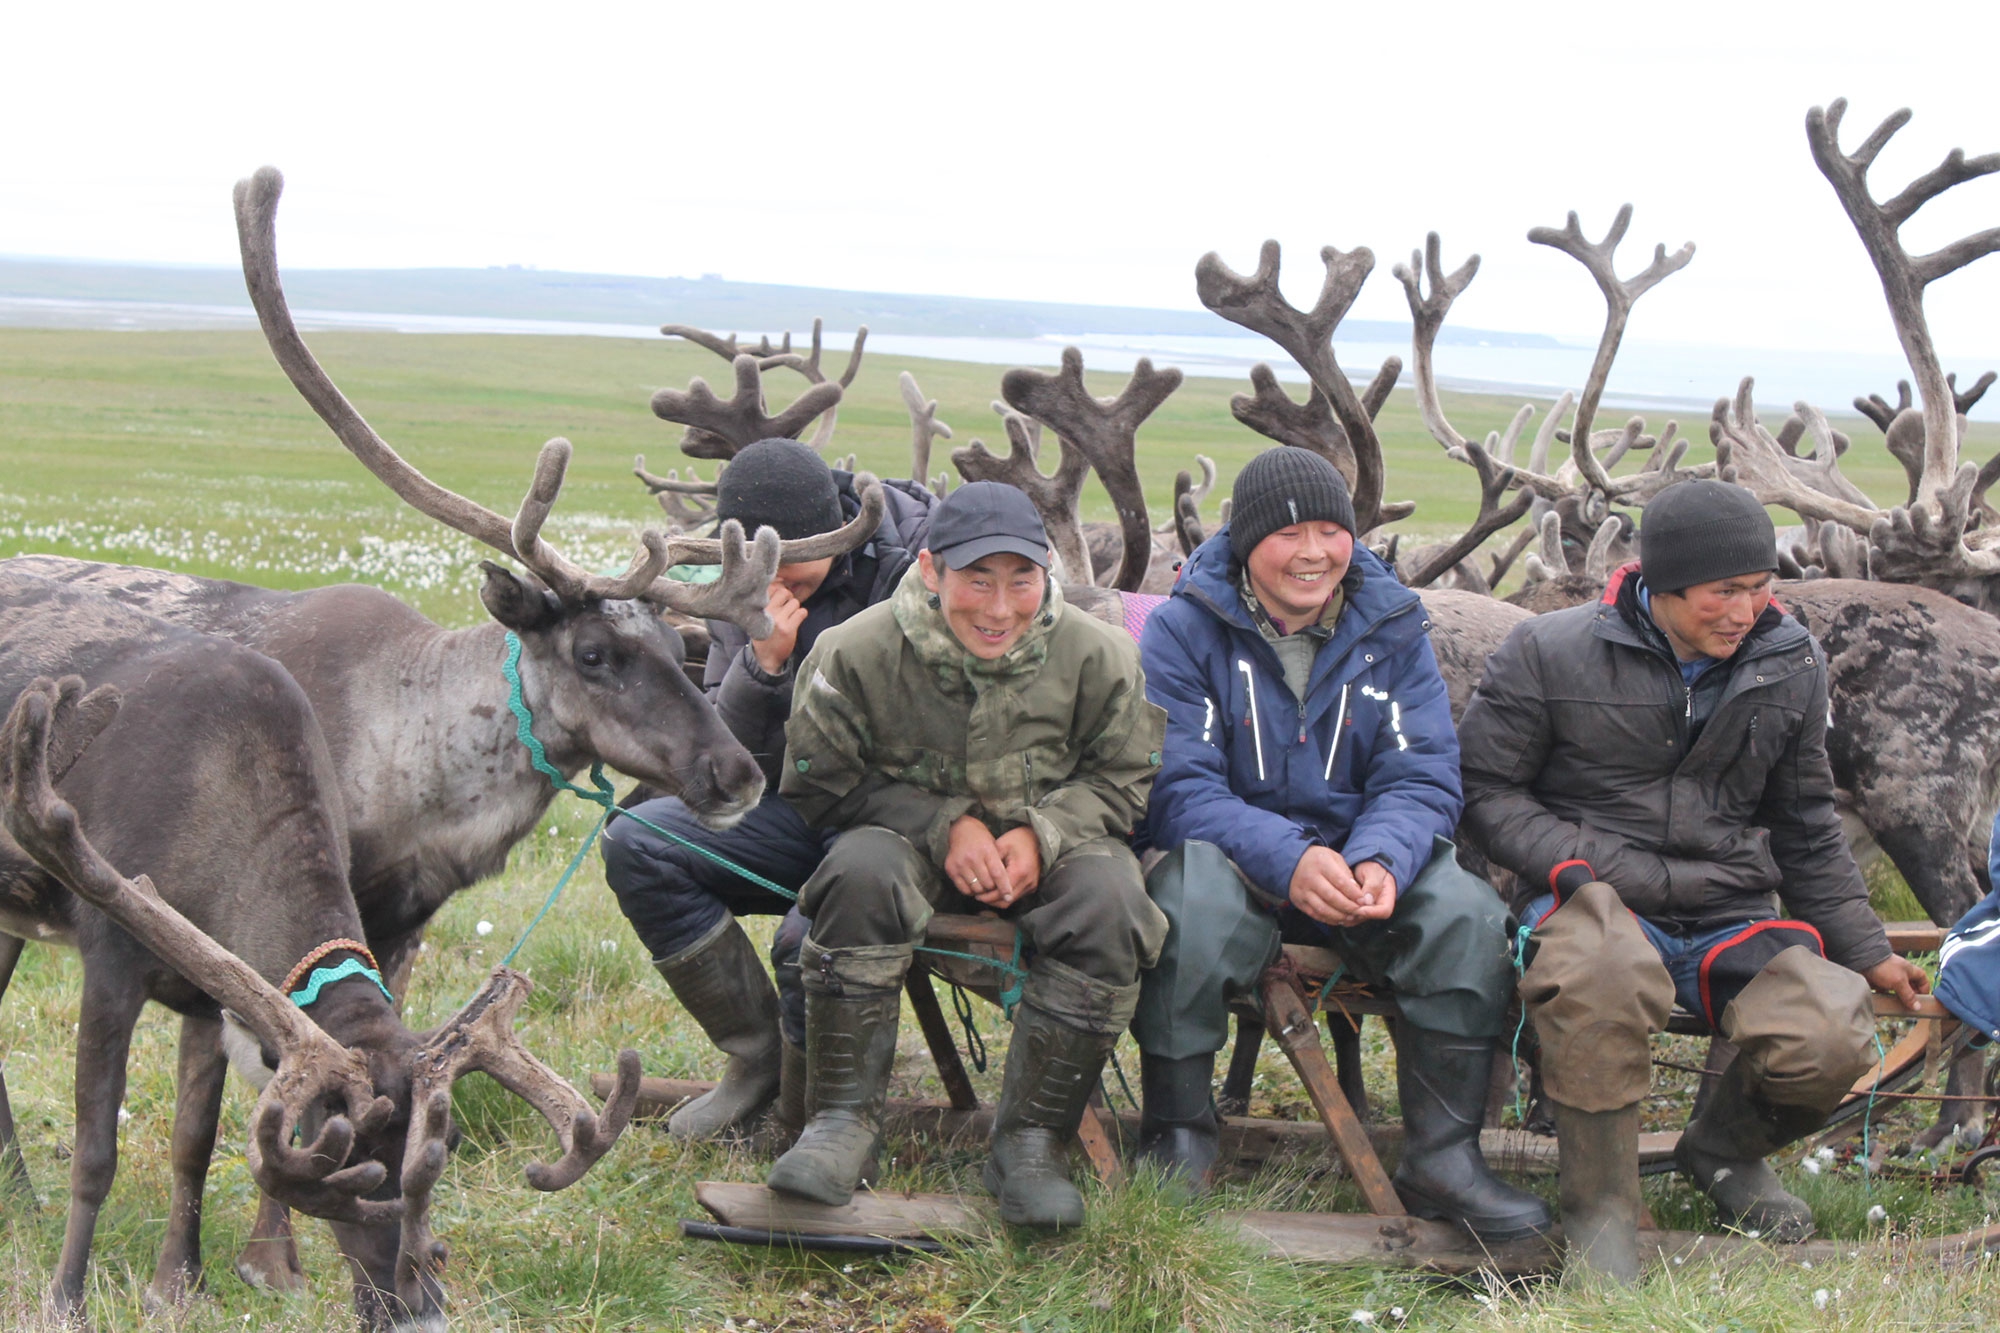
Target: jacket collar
{"type": "Point", "coordinates": [1622, 619]}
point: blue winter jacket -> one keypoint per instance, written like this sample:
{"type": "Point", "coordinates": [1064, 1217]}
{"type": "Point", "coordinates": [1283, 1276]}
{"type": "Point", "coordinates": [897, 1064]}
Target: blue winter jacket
{"type": "Point", "coordinates": [1368, 766]}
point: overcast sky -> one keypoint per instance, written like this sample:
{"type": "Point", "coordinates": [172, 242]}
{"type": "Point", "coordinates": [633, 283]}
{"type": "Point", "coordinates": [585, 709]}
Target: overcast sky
{"type": "Point", "coordinates": [1069, 151]}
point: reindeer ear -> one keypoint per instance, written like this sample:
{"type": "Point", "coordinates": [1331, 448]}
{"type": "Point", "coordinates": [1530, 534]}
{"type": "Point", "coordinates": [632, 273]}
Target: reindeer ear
{"type": "Point", "coordinates": [516, 602]}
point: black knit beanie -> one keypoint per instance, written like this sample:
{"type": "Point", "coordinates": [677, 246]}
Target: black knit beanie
{"type": "Point", "coordinates": [779, 484]}
{"type": "Point", "coordinates": [1701, 531]}
{"type": "Point", "coordinates": [1280, 487]}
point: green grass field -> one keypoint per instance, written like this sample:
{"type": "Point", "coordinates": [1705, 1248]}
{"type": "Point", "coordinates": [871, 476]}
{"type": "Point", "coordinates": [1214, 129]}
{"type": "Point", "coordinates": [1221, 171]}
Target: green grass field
{"type": "Point", "coordinates": [189, 451]}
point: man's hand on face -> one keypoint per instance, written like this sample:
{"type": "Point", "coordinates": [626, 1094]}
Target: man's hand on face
{"type": "Point", "coordinates": [1898, 976]}
{"type": "Point", "coordinates": [974, 864]}
{"type": "Point", "coordinates": [787, 614]}
{"type": "Point", "coordinates": [1023, 856]}
{"type": "Point", "coordinates": [1325, 889]}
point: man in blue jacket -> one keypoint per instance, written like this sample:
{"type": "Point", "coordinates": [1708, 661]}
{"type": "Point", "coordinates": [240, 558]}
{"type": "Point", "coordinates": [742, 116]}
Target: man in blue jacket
{"type": "Point", "coordinates": [1308, 790]}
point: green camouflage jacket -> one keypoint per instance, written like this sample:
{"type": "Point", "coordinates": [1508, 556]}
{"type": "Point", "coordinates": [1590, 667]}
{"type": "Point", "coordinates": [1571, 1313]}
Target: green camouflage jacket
{"type": "Point", "coordinates": [895, 724]}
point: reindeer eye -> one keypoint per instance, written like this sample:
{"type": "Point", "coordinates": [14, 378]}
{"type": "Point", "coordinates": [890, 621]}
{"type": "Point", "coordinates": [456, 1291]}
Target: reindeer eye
{"type": "Point", "coordinates": [590, 657]}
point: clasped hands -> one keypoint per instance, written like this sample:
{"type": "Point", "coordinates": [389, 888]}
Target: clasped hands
{"type": "Point", "coordinates": [997, 872]}
{"type": "Point", "coordinates": [1328, 890]}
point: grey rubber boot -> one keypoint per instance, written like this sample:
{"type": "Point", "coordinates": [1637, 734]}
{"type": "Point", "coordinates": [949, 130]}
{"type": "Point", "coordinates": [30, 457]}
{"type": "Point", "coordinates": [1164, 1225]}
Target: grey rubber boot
{"type": "Point", "coordinates": [1441, 1080]}
{"type": "Point", "coordinates": [722, 984]}
{"type": "Point", "coordinates": [851, 1018]}
{"type": "Point", "coordinates": [1599, 1190]}
{"type": "Point", "coordinates": [1723, 1149]}
{"type": "Point", "coordinates": [1178, 1124]}
{"type": "Point", "coordinates": [1051, 1070]}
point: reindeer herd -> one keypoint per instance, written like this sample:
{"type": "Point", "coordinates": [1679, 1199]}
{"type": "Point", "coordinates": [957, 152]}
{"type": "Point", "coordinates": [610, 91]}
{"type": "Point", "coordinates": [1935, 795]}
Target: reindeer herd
{"type": "Point", "coordinates": [208, 787]}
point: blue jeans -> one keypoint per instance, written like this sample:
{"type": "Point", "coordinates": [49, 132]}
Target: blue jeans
{"type": "Point", "coordinates": [1680, 953]}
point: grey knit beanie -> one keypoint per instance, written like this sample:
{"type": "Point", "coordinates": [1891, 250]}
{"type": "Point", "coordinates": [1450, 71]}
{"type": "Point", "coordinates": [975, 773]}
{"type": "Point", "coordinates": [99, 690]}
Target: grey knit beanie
{"type": "Point", "coordinates": [779, 484]}
{"type": "Point", "coordinates": [1280, 487]}
{"type": "Point", "coordinates": [1701, 531]}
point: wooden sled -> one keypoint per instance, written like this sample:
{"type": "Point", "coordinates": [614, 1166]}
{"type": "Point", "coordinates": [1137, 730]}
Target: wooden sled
{"type": "Point", "coordinates": [1292, 990]}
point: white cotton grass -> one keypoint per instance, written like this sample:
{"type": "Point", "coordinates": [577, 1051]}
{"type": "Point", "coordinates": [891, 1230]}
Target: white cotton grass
{"type": "Point", "coordinates": [483, 929]}
{"type": "Point", "coordinates": [1878, 1215]}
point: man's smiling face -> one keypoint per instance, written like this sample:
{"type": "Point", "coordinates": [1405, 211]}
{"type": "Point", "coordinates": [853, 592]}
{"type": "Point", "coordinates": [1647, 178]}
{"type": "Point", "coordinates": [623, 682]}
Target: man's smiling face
{"type": "Point", "coordinates": [1295, 569]}
{"type": "Point", "coordinates": [990, 603]}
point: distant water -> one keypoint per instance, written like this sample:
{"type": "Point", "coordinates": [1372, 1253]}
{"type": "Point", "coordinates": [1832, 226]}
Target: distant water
{"type": "Point", "coordinates": [1658, 377]}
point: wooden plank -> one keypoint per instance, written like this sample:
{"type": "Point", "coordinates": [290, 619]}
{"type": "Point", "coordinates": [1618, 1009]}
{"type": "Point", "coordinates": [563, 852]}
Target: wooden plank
{"type": "Point", "coordinates": [1097, 1145]}
{"type": "Point", "coordinates": [870, 1213]}
{"type": "Point", "coordinates": [1908, 937]}
{"type": "Point", "coordinates": [1286, 1017]}
{"type": "Point", "coordinates": [1245, 1142]}
{"type": "Point", "coordinates": [1888, 1006]}
{"type": "Point", "coordinates": [1333, 1238]}
{"type": "Point", "coordinates": [939, 1037]}
{"type": "Point", "coordinates": [1396, 1242]}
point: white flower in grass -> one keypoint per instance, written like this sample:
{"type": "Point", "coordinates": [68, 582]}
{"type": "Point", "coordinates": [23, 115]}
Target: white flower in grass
{"type": "Point", "coordinates": [123, 1115]}
{"type": "Point", "coordinates": [1824, 1154]}
{"type": "Point", "coordinates": [1362, 1317]}
{"type": "Point", "coordinates": [1396, 1313]}
{"type": "Point", "coordinates": [1821, 1297]}
{"type": "Point", "coordinates": [1811, 1164]}
{"type": "Point", "coordinates": [607, 946]}
{"type": "Point", "coordinates": [1878, 1214]}
{"type": "Point", "coordinates": [483, 928]}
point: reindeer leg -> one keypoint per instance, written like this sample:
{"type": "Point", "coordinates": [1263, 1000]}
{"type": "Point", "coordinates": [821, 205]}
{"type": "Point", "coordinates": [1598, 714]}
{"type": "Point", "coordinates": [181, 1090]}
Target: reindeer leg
{"type": "Point", "coordinates": [13, 1166]}
{"type": "Point", "coordinates": [270, 1258]}
{"type": "Point", "coordinates": [103, 1042]}
{"type": "Point", "coordinates": [197, 1109]}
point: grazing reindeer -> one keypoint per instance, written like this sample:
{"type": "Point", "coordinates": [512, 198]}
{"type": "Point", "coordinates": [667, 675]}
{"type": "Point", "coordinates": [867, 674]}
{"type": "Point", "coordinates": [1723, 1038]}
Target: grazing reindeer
{"type": "Point", "coordinates": [435, 787]}
{"type": "Point", "coordinates": [242, 893]}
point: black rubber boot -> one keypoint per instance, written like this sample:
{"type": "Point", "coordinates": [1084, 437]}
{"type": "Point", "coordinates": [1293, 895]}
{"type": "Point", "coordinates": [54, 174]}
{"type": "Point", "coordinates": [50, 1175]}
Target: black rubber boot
{"type": "Point", "coordinates": [1441, 1080]}
{"type": "Point", "coordinates": [1051, 1069]}
{"type": "Point", "coordinates": [1599, 1189]}
{"type": "Point", "coordinates": [1178, 1123]}
{"type": "Point", "coordinates": [1723, 1149]}
{"type": "Point", "coordinates": [722, 984]}
{"type": "Point", "coordinates": [850, 1046]}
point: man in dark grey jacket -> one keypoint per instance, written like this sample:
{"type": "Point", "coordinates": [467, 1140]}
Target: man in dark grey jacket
{"type": "Point", "coordinates": [1654, 767]}
{"type": "Point", "coordinates": [684, 906]}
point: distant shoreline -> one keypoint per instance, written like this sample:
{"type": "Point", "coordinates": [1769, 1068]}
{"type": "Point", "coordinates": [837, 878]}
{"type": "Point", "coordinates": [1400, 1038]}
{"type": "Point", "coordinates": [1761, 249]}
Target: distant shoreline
{"type": "Point", "coordinates": [1648, 377]}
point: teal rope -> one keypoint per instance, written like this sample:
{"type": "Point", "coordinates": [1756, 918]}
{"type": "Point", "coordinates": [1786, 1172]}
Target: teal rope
{"type": "Point", "coordinates": [1868, 1115]}
{"type": "Point", "coordinates": [325, 976]}
{"type": "Point", "coordinates": [605, 796]}
{"type": "Point", "coordinates": [1514, 1051]}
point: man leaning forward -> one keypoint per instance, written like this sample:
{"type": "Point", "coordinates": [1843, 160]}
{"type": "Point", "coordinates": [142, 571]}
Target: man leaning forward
{"type": "Point", "coordinates": [1654, 766]}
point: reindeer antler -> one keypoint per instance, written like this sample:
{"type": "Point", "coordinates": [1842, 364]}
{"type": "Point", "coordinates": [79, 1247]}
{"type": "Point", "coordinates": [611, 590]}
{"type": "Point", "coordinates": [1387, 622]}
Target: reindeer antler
{"type": "Point", "coordinates": [924, 424]}
{"type": "Point", "coordinates": [1903, 275]}
{"type": "Point", "coordinates": [1307, 335]}
{"type": "Point", "coordinates": [1619, 297]}
{"type": "Point", "coordinates": [673, 494]}
{"type": "Point", "coordinates": [481, 1037]}
{"type": "Point", "coordinates": [53, 721]}
{"type": "Point", "coordinates": [1056, 497]}
{"type": "Point", "coordinates": [256, 229]}
{"type": "Point", "coordinates": [1105, 431]}
{"type": "Point", "coordinates": [719, 429]}
{"type": "Point", "coordinates": [1426, 318]}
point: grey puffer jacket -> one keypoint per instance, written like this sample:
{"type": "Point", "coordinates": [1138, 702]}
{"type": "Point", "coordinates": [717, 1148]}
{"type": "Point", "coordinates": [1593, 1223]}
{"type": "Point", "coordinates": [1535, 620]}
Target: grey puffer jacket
{"type": "Point", "coordinates": [754, 704]}
{"type": "Point", "coordinates": [1576, 746]}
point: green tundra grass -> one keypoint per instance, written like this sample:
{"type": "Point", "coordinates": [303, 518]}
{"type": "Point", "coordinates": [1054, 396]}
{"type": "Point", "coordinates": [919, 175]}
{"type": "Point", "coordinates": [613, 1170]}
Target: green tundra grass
{"type": "Point", "coordinates": [189, 451]}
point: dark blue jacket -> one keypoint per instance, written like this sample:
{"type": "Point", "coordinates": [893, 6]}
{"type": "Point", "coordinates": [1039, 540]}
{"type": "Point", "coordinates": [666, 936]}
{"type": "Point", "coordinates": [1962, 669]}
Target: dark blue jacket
{"type": "Point", "coordinates": [1247, 768]}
